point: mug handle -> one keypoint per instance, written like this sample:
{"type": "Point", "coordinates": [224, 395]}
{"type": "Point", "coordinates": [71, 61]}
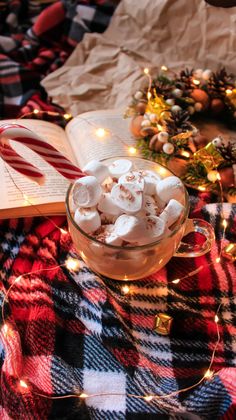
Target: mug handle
{"type": "Point", "coordinates": [199, 226]}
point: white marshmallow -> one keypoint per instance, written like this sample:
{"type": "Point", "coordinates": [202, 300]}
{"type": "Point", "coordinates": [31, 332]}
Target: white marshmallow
{"type": "Point", "coordinates": [133, 177]}
{"type": "Point", "coordinates": [170, 187]}
{"type": "Point", "coordinates": [129, 228]}
{"type": "Point", "coordinates": [128, 197]}
{"type": "Point", "coordinates": [154, 229]}
{"type": "Point", "coordinates": [150, 179]}
{"type": "Point", "coordinates": [97, 169]}
{"type": "Point", "coordinates": [120, 167]}
{"type": "Point", "coordinates": [86, 191]}
{"type": "Point", "coordinates": [150, 206]}
{"type": "Point", "coordinates": [109, 236]}
{"type": "Point", "coordinates": [107, 205]}
{"type": "Point", "coordinates": [172, 212]}
{"type": "Point", "coordinates": [87, 219]}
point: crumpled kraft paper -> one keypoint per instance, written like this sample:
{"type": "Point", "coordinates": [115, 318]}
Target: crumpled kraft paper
{"type": "Point", "coordinates": [106, 69]}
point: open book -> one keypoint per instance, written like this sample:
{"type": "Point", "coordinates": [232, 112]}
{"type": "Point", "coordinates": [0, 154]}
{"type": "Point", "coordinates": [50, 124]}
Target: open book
{"type": "Point", "coordinates": [22, 197]}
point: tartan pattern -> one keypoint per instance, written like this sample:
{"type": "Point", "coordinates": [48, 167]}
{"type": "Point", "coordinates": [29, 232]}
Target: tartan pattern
{"type": "Point", "coordinates": [74, 331]}
{"type": "Point", "coordinates": [37, 38]}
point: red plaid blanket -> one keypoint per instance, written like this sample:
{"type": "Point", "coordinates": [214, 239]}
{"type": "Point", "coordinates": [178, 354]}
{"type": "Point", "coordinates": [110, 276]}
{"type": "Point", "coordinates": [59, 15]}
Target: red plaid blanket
{"type": "Point", "coordinates": [36, 38]}
{"type": "Point", "coordinates": [75, 332]}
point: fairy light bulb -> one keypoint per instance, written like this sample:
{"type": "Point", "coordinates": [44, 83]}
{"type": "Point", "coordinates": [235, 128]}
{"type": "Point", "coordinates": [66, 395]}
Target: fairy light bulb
{"type": "Point", "coordinates": [35, 111]}
{"type": "Point", "coordinates": [132, 150]}
{"type": "Point", "coordinates": [67, 116]}
{"type": "Point", "coordinates": [72, 264]}
{"type": "Point", "coordinates": [228, 91]}
{"type": "Point", "coordinates": [23, 384]}
{"type": "Point", "coordinates": [208, 374]}
{"type": "Point", "coordinates": [176, 281]}
{"type": "Point", "coordinates": [146, 70]}
{"type": "Point", "coordinates": [100, 132]}
{"type": "Point", "coordinates": [225, 224]}
{"type": "Point", "coordinates": [125, 289]}
{"type": "Point", "coordinates": [5, 329]}
{"type": "Point", "coordinates": [216, 318]}
{"type": "Point", "coordinates": [164, 68]}
{"type": "Point", "coordinates": [148, 398]}
{"type": "Point", "coordinates": [196, 82]}
{"type": "Point", "coordinates": [149, 95]}
{"type": "Point", "coordinates": [83, 395]}
{"type": "Point", "coordinates": [17, 279]}
{"type": "Point", "coordinates": [201, 188]}
{"type": "Point", "coordinates": [63, 231]}
{"type": "Point", "coordinates": [217, 259]}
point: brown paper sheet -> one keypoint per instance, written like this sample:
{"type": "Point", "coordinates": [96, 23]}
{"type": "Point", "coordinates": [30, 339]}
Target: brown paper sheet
{"type": "Point", "coordinates": [105, 69]}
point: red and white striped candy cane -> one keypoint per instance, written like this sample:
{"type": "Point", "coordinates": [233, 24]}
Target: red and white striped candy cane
{"type": "Point", "coordinates": [27, 137]}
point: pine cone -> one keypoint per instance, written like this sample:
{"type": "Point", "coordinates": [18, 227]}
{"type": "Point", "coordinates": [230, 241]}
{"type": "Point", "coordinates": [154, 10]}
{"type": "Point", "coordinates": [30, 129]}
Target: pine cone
{"type": "Point", "coordinates": [228, 152]}
{"type": "Point", "coordinates": [163, 86]}
{"type": "Point", "coordinates": [186, 78]}
{"type": "Point", "coordinates": [219, 82]}
{"type": "Point", "coordinates": [178, 123]}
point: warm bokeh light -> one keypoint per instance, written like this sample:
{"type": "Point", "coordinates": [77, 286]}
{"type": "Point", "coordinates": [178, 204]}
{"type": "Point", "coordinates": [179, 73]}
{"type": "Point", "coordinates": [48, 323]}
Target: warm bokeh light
{"type": "Point", "coordinates": [72, 264]}
{"type": "Point", "coordinates": [146, 70]}
{"type": "Point", "coordinates": [125, 289]}
{"type": "Point", "coordinates": [208, 374]}
{"type": "Point", "coordinates": [228, 91]}
{"type": "Point", "coordinates": [164, 68]}
{"type": "Point", "coordinates": [100, 132]}
{"type": "Point", "coordinates": [23, 384]}
{"type": "Point", "coordinates": [35, 111]}
{"type": "Point", "coordinates": [83, 395]}
{"type": "Point", "coordinates": [132, 150]}
{"type": "Point", "coordinates": [67, 116]}
{"type": "Point", "coordinates": [196, 82]}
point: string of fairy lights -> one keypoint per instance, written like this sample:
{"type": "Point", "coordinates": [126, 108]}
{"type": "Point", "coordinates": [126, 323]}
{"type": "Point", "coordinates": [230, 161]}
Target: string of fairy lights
{"type": "Point", "coordinates": [73, 265]}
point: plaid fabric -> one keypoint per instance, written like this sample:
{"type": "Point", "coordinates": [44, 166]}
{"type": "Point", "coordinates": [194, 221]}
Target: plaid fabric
{"type": "Point", "coordinates": [76, 332]}
{"type": "Point", "coordinates": [36, 38]}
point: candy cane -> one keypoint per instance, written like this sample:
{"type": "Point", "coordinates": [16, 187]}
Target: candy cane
{"type": "Point", "coordinates": [27, 137]}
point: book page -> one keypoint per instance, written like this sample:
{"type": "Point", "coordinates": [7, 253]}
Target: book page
{"type": "Point", "coordinates": [19, 191]}
{"type": "Point", "coordinates": [87, 145]}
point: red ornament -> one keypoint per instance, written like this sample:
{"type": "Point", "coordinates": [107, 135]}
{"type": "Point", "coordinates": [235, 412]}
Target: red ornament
{"type": "Point", "coordinates": [217, 106]}
{"type": "Point", "coordinates": [227, 177]}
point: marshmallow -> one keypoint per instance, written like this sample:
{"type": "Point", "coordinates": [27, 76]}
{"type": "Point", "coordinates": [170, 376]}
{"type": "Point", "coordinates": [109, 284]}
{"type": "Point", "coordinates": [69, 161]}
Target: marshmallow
{"type": "Point", "coordinates": [150, 179]}
{"type": "Point", "coordinates": [129, 228]}
{"type": "Point", "coordinates": [154, 229]}
{"type": "Point", "coordinates": [170, 187]}
{"type": "Point", "coordinates": [97, 169]}
{"type": "Point", "coordinates": [86, 192]}
{"type": "Point", "coordinates": [172, 212]}
{"type": "Point", "coordinates": [107, 205]}
{"type": "Point", "coordinates": [120, 167]}
{"type": "Point", "coordinates": [109, 236]}
{"type": "Point", "coordinates": [150, 206]}
{"type": "Point", "coordinates": [133, 177]}
{"type": "Point", "coordinates": [87, 219]}
{"type": "Point", "coordinates": [128, 197]}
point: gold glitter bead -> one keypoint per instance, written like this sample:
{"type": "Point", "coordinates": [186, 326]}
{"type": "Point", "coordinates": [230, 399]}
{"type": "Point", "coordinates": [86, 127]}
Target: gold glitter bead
{"type": "Point", "coordinates": [163, 324]}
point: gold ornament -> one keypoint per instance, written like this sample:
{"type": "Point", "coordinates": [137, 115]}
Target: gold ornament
{"type": "Point", "coordinates": [209, 156]}
{"type": "Point", "coordinates": [163, 324]}
{"type": "Point", "coordinates": [229, 252]}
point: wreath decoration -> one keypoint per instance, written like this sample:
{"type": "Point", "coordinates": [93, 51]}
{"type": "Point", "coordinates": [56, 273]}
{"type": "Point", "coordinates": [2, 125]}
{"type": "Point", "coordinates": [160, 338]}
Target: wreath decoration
{"type": "Point", "coordinates": [164, 123]}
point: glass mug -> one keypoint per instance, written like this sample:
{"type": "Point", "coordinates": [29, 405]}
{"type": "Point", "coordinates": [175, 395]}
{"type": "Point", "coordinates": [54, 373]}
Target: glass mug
{"type": "Point", "coordinates": [136, 262]}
